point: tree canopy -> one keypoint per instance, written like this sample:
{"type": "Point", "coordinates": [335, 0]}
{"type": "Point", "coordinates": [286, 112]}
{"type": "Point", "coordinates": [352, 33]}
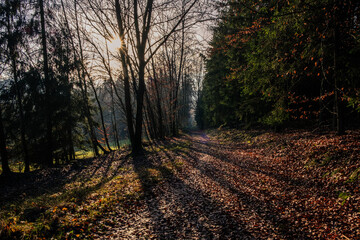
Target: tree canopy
{"type": "Point", "coordinates": [272, 62]}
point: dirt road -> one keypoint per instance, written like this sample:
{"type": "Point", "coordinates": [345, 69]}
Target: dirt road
{"type": "Point", "coordinates": [253, 185]}
{"type": "Point", "coordinates": [237, 191]}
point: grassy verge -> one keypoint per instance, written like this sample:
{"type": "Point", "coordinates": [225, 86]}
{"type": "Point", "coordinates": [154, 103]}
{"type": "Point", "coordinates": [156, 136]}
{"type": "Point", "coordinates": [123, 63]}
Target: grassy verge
{"type": "Point", "coordinates": [78, 209]}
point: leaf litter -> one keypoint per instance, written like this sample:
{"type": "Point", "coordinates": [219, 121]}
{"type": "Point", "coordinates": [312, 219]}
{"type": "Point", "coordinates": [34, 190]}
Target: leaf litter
{"type": "Point", "coordinates": [224, 184]}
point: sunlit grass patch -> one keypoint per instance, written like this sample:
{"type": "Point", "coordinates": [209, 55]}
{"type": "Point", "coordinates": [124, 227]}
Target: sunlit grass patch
{"type": "Point", "coordinates": [18, 166]}
{"type": "Point", "coordinates": [84, 154]}
{"type": "Point", "coordinates": [73, 211]}
{"type": "Point", "coordinates": [56, 213]}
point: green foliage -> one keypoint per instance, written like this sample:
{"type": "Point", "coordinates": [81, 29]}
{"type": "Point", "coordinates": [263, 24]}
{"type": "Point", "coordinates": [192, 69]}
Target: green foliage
{"type": "Point", "coordinates": [273, 62]}
{"type": "Point", "coordinates": [73, 210]}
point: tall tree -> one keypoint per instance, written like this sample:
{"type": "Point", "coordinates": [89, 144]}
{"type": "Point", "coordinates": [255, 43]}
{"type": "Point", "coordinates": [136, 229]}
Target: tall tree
{"type": "Point", "coordinates": [140, 40]}
{"type": "Point", "coordinates": [279, 57]}
{"type": "Point", "coordinates": [3, 151]}
{"type": "Point", "coordinates": [14, 24]}
{"type": "Point", "coordinates": [48, 88]}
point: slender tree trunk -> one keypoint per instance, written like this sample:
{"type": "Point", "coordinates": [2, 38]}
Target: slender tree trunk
{"type": "Point", "coordinates": [115, 129]}
{"type": "Point", "coordinates": [321, 103]}
{"type": "Point", "coordinates": [141, 45]}
{"type": "Point", "coordinates": [12, 51]}
{"type": "Point", "coordinates": [137, 147]}
{"type": "Point", "coordinates": [123, 56]}
{"type": "Point", "coordinates": [177, 83]}
{"type": "Point", "coordinates": [101, 115]}
{"type": "Point", "coordinates": [22, 120]}
{"type": "Point", "coordinates": [68, 144]}
{"type": "Point", "coordinates": [159, 108]}
{"type": "Point", "coordinates": [3, 152]}
{"type": "Point", "coordinates": [48, 89]}
{"type": "Point", "coordinates": [151, 118]}
{"type": "Point", "coordinates": [337, 100]}
{"type": "Point", "coordinates": [172, 78]}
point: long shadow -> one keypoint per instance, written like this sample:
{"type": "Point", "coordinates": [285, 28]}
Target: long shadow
{"type": "Point", "coordinates": [191, 212]}
{"type": "Point", "coordinates": [266, 210]}
{"type": "Point", "coordinates": [21, 187]}
{"type": "Point", "coordinates": [256, 166]}
{"type": "Point", "coordinates": [250, 164]}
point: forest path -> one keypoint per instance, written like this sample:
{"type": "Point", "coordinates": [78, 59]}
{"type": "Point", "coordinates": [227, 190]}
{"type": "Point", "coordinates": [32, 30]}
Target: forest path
{"type": "Point", "coordinates": [231, 184]}
{"type": "Point", "coordinates": [226, 191]}
{"type": "Point", "coordinates": [191, 204]}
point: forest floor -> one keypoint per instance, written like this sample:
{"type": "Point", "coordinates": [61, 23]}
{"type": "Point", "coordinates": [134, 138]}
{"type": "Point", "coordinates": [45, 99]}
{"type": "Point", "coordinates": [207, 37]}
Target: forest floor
{"type": "Point", "coordinates": [223, 184]}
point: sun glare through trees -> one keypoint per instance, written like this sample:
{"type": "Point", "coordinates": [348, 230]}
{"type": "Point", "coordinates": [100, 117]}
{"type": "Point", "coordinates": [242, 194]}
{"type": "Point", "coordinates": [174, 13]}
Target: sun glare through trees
{"type": "Point", "coordinates": [179, 119]}
{"type": "Point", "coordinates": [114, 44]}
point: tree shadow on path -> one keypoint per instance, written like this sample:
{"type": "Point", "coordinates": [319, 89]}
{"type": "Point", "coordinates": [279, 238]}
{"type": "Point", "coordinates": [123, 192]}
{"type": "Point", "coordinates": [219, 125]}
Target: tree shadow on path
{"type": "Point", "coordinates": [178, 210]}
{"type": "Point", "coordinates": [237, 177]}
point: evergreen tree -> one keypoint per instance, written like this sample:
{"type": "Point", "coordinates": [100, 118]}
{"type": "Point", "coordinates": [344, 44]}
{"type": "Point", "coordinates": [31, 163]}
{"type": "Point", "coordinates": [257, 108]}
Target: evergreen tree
{"type": "Point", "coordinates": [273, 62]}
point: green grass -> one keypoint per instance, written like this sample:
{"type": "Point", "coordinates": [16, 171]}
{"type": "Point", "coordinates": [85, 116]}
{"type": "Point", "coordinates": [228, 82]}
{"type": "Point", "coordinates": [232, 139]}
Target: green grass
{"type": "Point", "coordinates": [19, 166]}
{"type": "Point", "coordinates": [69, 211]}
{"type": "Point", "coordinates": [84, 154]}
{"type": "Point", "coordinates": [72, 211]}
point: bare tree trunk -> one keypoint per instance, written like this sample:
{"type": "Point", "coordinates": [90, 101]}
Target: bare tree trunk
{"type": "Point", "coordinates": [101, 114]}
{"type": "Point", "coordinates": [140, 41]}
{"type": "Point", "coordinates": [158, 104]}
{"type": "Point", "coordinates": [3, 152]}
{"type": "Point", "coordinates": [123, 55]}
{"type": "Point", "coordinates": [151, 119]}
{"type": "Point", "coordinates": [137, 148]}
{"type": "Point", "coordinates": [83, 87]}
{"type": "Point", "coordinates": [48, 89]}
{"type": "Point", "coordinates": [337, 104]}
{"type": "Point", "coordinates": [177, 83]}
{"type": "Point", "coordinates": [70, 121]}
{"type": "Point", "coordinates": [113, 122]}
{"type": "Point", "coordinates": [12, 51]}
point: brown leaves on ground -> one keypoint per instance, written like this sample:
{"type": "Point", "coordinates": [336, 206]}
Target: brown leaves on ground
{"type": "Point", "coordinates": [227, 184]}
{"type": "Point", "coordinates": [294, 185]}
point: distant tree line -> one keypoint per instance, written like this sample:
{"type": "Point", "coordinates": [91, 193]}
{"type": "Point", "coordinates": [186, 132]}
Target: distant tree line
{"type": "Point", "coordinates": [275, 63]}
{"type": "Point", "coordinates": [64, 88]}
